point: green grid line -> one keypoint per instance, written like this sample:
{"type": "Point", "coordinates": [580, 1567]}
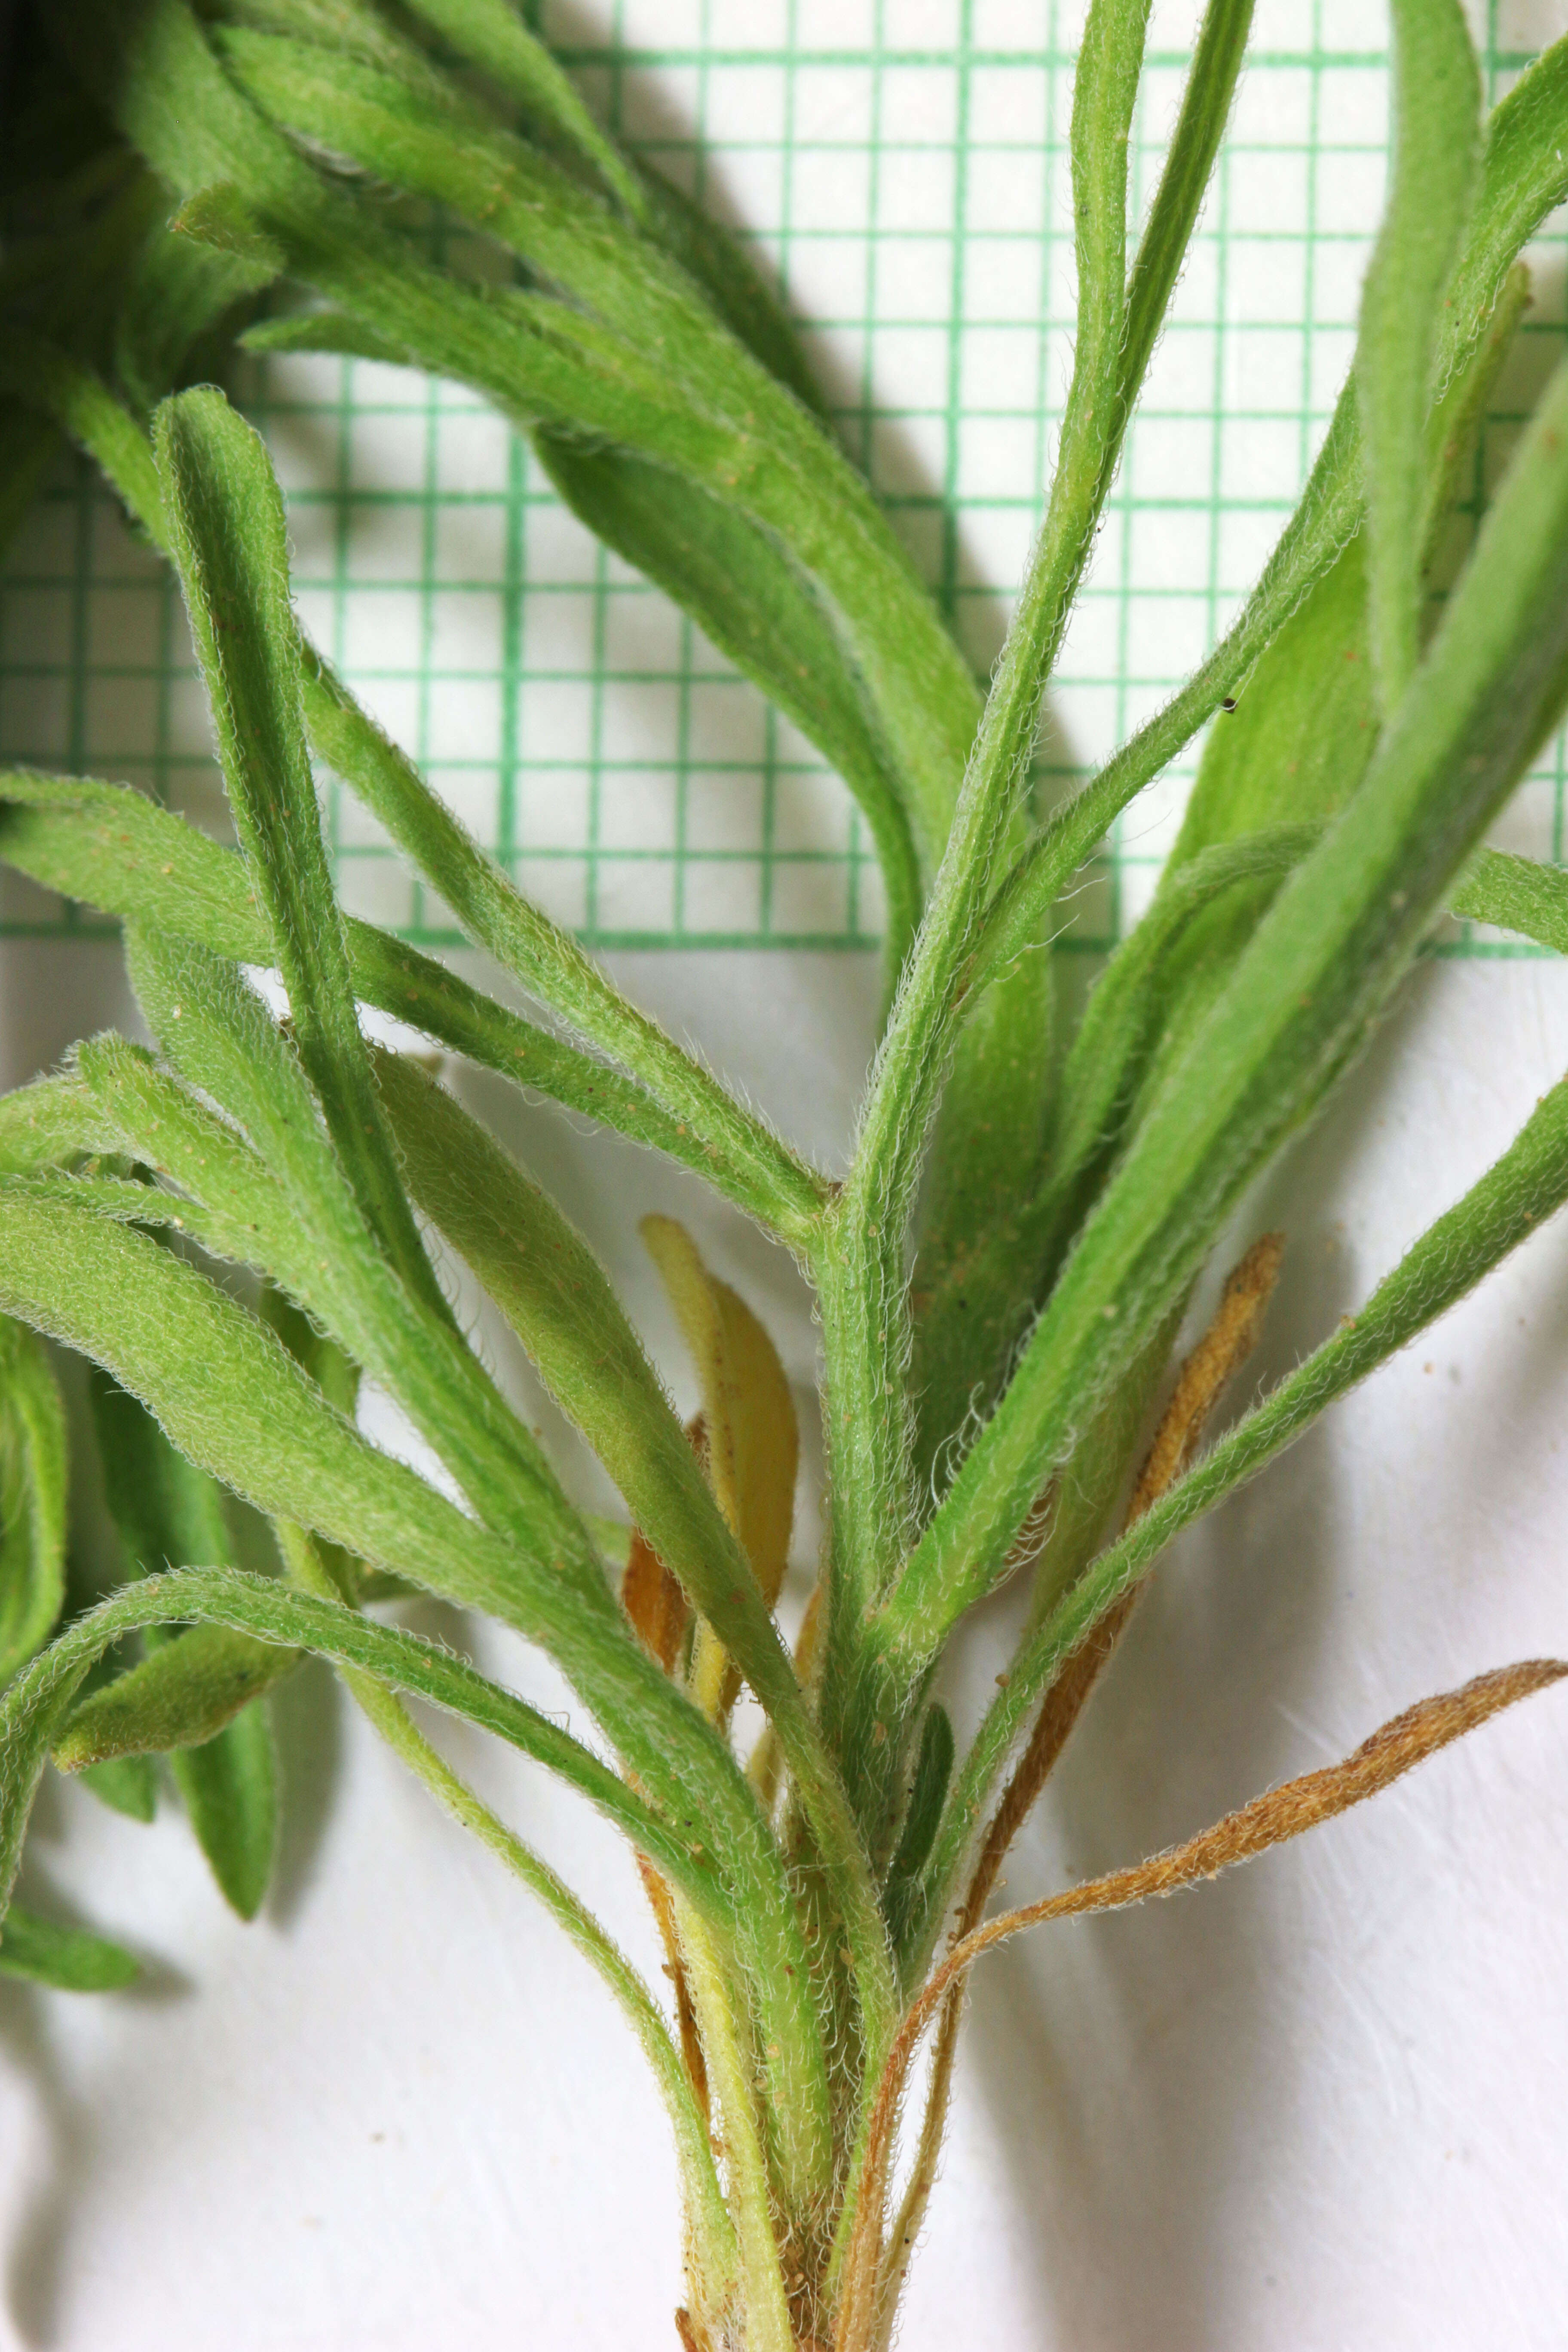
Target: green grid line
{"type": "Point", "coordinates": [602, 752]}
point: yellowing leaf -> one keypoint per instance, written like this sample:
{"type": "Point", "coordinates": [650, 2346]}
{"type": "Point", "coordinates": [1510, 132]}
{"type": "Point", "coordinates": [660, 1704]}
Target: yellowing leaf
{"type": "Point", "coordinates": [753, 1443]}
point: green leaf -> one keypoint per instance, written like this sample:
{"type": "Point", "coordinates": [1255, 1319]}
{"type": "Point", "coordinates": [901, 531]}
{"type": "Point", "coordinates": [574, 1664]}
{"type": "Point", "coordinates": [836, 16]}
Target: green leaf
{"type": "Point", "coordinates": [179, 1698]}
{"type": "Point", "coordinates": [220, 1037]}
{"type": "Point", "coordinates": [553, 1290]}
{"type": "Point", "coordinates": [181, 299]}
{"type": "Point", "coordinates": [978, 1194]}
{"type": "Point", "coordinates": [933, 1770]}
{"type": "Point", "coordinates": [1305, 728]}
{"type": "Point", "coordinates": [861, 1264]}
{"type": "Point", "coordinates": [1517, 895]}
{"type": "Point", "coordinates": [50, 1123]}
{"type": "Point", "coordinates": [550, 1287]}
{"type": "Point", "coordinates": [1510, 1203]}
{"type": "Point", "coordinates": [1524, 176]}
{"type": "Point", "coordinates": [752, 601]}
{"type": "Point", "coordinates": [229, 1784]}
{"type": "Point", "coordinates": [769, 1179]}
{"type": "Point", "coordinates": [234, 1403]}
{"type": "Point", "coordinates": [1436, 139]}
{"type": "Point", "coordinates": [48, 379]}
{"type": "Point", "coordinates": [508, 342]}
{"type": "Point", "coordinates": [126, 1784]}
{"type": "Point", "coordinates": [411, 129]}
{"type": "Point", "coordinates": [1175, 961]}
{"type": "Point", "coordinates": [407, 983]}
{"type": "Point", "coordinates": [166, 1513]}
{"type": "Point", "coordinates": [68, 1959]}
{"type": "Point", "coordinates": [231, 545]}
{"type": "Point", "coordinates": [1188, 926]}
{"type": "Point", "coordinates": [547, 365]}
{"type": "Point", "coordinates": [390, 1718]}
{"type": "Point", "coordinates": [32, 1497]}
{"type": "Point", "coordinates": [1183, 182]}
{"type": "Point", "coordinates": [492, 35]}
{"type": "Point", "coordinates": [1298, 1006]}
{"type": "Point", "coordinates": [169, 1514]}
{"type": "Point", "coordinates": [229, 1201]}
{"type": "Point", "coordinates": [267, 1611]}
{"type": "Point", "coordinates": [742, 296]}
{"type": "Point", "coordinates": [113, 848]}
{"type": "Point", "coordinates": [967, 1321]}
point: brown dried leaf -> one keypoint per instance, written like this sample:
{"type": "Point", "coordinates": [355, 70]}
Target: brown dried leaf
{"type": "Point", "coordinates": [1269, 1819]}
{"type": "Point", "coordinates": [654, 1602]}
{"type": "Point", "coordinates": [1217, 1357]}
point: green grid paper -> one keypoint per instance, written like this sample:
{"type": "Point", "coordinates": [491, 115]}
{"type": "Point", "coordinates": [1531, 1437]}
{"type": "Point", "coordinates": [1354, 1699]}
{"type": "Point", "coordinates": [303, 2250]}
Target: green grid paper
{"type": "Point", "coordinates": [901, 164]}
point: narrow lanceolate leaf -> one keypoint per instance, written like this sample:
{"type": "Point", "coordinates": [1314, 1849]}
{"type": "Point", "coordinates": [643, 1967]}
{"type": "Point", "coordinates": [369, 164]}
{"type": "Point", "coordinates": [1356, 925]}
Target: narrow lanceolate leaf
{"type": "Point", "coordinates": [69, 1960]}
{"type": "Point", "coordinates": [229, 1201]}
{"type": "Point", "coordinates": [914, 1055]}
{"type": "Point", "coordinates": [229, 1397]}
{"type": "Point", "coordinates": [271, 1612]}
{"type": "Point", "coordinates": [52, 381]}
{"type": "Point", "coordinates": [768, 1177]}
{"type": "Point", "coordinates": [1305, 728]}
{"type": "Point", "coordinates": [861, 1271]}
{"type": "Point", "coordinates": [1296, 1008]}
{"type": "Point", "coordinates": [230, 1785]}
{"type": "Point", "coordinates": [32, 1497]}
{"type": "Point", "coordinates": [169, 1514]}
{"type": "Point", "coordinates": [237, 1404]}
{"type": "Point", "coordinates": [391, 1719]}
{"type": "Point", "coordinates": [1524, 176]}
{"type": "Point", "coordinates": [757, 606]}
{"type": "Point", "coordinates": [1183, 182]}
{"type": "Point", "coordinates": [46, 1125]}
{"type": "Point", "coordinates": [492, 35]}
{"type": "Point", "coordinates": [132, 850]}
{"type": "Point", "coordinates": [692, 1117]}
{"type": "Point", "coordinates": [126, 1784]}
{"type": "Point", "coordinates": [220, 1037]}
{"type": "Point", "coordinates": [553, 1290]}
{"type": "Point", "coordinates": [230, 543]}
{"type": "Point", "coordinates": [1510, 1203]}
{"type": "Point", "coordinates": [972, 1293]}
{"type": "Point", "coordinates": [555, 367]}
{"type": "Point", "coordinates": [558, 1301]}
{"type": "Point", "coordinates": [1437, 140]}
{"type": "Point", "coordinates": [180, 299]}
{"type": "Point", "coordinates": [180, 1697]}
{"type": "Point", "coordinates": [112, 847]}
{"type": "Point", "coordinates": [1179, 952]}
